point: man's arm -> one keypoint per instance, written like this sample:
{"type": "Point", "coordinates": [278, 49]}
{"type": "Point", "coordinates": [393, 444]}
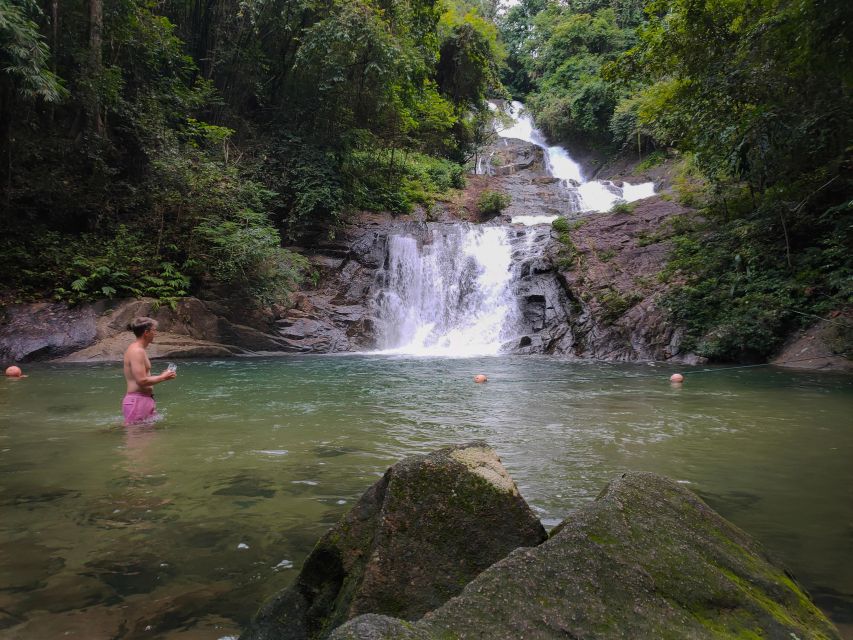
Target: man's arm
{"type": "Point", "coordinates": [141, 373]}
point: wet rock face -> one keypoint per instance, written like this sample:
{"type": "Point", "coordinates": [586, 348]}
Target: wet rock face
{"type": "Point", "coordinates": [413, 541]}
{"type": "Point", "coordinates": [647, 559]}
{"type": "Point", "coordinates": [597, 297]}
{"type": "Point", "coordinates": [610, 274]}
{"type": "Point", "coordinates": [45, 330]}
{"type": "Point", "coordinates": [335, 315]}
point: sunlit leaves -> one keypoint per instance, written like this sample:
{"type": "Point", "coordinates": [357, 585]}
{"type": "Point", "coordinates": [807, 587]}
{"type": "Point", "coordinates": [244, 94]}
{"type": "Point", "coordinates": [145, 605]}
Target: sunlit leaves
{"type": "Point", "coordinates": [24, 53]}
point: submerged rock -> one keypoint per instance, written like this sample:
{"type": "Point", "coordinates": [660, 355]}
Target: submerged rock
{"type": "Point", "coordinates": [647, 559]}
{"type": "Point", "coordinates": [413, 540]}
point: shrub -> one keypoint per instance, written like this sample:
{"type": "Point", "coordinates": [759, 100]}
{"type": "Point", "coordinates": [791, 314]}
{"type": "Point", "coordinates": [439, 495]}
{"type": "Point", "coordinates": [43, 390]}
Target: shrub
{"type": "Point", "coordinates": [652, 160]}
{"type": "Point", "coordinates": [491, 203]}
{"type": "Point", "coordinates": [625, 208]}
{"type": "Point", "coordinates": [568, 251]}
{"type": "Point", "coordinates": [378, 184]}
{"type": "Point", "coordinates": [615, 303]}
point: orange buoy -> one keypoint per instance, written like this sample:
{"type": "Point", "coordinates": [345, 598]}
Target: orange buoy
{"type": "Point", "coordinates": [676, 378]}
{"type": "Point", "coordinates": [14, 372]}
{"type": "Point", "coordinates": [479, 378]}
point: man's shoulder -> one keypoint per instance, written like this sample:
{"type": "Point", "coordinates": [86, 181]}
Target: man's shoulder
{"type": "Point", "coordinates": [134, 349]}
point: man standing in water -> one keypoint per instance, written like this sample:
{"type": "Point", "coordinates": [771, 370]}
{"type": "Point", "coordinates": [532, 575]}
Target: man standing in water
{"type": "Point", "coordinates": [138, 405]}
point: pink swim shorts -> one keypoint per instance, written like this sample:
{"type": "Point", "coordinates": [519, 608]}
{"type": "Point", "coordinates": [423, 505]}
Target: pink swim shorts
{"type": "Point", "coordinates": [138, 407]}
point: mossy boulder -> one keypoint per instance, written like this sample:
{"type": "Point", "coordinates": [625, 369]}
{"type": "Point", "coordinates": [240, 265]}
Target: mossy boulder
{"type": "Point", "coordinates": [647, 560]}
{"type": "Point", "coordinates": [413, 540]}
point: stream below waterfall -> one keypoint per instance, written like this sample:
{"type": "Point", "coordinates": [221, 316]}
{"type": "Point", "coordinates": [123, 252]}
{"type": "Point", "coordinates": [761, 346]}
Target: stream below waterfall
{"type": "Point", "coordinates": [185, 527]}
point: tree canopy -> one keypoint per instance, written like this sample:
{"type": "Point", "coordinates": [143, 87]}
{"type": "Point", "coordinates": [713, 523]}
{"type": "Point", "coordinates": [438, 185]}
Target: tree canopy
{"type": "Point", "coordinates": [195, 135]}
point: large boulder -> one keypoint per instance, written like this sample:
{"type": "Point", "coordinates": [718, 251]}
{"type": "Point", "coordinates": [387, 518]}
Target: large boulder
{"type": "Point", "coordinates": [647, 559]}
{"type": "Point", "coordinates": [413, 541]}
{"type": "Point", "coordinates": [46, 330]}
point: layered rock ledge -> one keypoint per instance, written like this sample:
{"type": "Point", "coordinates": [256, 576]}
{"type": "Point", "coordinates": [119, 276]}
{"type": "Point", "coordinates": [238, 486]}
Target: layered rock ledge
{"type": "Point", "coordinates": [98, 332]}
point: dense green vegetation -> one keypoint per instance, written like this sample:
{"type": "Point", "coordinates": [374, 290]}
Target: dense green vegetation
{"type": "Point", "coordinates": [168, 148]}
{"type": "Point", "coordinates": [753, 97]}
{"type": "Point", "coordinates": [172, 148]}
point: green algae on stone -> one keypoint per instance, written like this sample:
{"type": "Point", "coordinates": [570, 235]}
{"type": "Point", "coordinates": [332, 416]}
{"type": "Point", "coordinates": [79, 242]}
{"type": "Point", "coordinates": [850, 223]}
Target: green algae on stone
{"type": "Point", "coordinates": [647, 560]}
{"type": "Point", "coordinates": [413, 541]}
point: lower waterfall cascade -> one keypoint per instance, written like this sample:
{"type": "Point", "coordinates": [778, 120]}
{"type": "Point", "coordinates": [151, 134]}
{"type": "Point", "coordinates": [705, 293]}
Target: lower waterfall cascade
{"type": "Point", "coordinates": [449, 291]}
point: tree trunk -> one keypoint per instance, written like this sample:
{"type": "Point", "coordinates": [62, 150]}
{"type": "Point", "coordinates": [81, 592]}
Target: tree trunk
{"type": "Point", "coordinates": [96, 29]}
{"type": "Point", "coordinates": [6, 111]}
{"type": "Point", "coordinates": [54, 48]}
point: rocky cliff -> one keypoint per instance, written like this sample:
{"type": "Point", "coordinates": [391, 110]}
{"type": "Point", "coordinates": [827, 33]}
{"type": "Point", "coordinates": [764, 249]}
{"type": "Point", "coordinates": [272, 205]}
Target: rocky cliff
{"type": "Point", "coordinates": [591, 292]}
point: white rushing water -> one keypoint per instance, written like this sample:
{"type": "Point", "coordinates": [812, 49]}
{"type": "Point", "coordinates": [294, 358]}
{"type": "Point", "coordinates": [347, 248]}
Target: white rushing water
{"type": "Point", "coordinates": [593, 195]}
{"type": "Point", "coordinates": [448, 294]}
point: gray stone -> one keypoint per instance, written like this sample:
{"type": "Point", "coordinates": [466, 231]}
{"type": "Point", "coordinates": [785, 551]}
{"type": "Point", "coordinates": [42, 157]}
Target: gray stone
{"type": "Point", "coordinates": [98, 332]}
{"type": "Point", "coordinates": [45, 330]}
{"type": "Point", "coordinates": [647, 560]}
{"type": "Point", "coordinates": [413, 541]}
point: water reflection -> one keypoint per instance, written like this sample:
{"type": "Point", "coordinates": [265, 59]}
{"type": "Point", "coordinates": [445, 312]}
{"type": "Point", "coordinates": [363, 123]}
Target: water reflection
{"type": "Point", "coordinates": [138, 441]}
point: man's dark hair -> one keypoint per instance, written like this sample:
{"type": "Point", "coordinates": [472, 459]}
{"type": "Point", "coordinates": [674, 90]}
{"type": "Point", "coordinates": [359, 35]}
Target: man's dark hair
{"type": "Point", "coordinates": [141, 325]}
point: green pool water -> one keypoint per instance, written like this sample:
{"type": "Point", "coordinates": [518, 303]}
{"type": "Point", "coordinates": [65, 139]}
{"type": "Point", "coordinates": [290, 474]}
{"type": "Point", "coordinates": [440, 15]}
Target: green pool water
{"type": "Point", "coordinates": [180, 530]}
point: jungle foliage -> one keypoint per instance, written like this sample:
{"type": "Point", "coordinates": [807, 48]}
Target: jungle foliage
{"type": "Point", "coordinates": [171, 148]}
{"type": "Point", "coordinates": [753, 97]}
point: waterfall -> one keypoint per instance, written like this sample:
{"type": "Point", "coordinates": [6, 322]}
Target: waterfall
{"type": "Point", "coordinates": [447, 292]}
{"type": "Point", "coordinates": [469, 290]}
{"type": "Point", "coordinates": [591, 195]}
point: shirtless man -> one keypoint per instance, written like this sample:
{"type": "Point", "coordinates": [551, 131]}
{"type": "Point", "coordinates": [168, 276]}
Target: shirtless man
{"type": "Point", "coordinates": [138, 405]}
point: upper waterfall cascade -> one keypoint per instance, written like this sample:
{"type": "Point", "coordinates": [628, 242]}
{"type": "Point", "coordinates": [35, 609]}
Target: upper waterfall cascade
{"type": "Point", "coordinates": [592, 195]}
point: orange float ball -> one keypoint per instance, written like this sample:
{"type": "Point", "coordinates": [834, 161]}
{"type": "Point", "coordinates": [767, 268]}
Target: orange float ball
{"type": "Point", "coordinates": [14, 372]}
{"type": "Point", "coordinates": [479, 378]}
{"type": "Point", "coordinates": [676, 377]}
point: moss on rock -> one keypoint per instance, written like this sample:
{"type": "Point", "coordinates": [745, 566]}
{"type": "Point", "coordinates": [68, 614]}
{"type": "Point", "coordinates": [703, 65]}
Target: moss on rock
{"type": "Point", "coordinates": [647, 560]}
{"type": "Point", "coordinates": [413, 541]}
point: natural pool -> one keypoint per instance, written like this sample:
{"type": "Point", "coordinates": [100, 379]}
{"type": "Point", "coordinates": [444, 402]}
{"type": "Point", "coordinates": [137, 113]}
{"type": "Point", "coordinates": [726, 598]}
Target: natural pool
{"type": "Point", "coordinates": [181, 530]}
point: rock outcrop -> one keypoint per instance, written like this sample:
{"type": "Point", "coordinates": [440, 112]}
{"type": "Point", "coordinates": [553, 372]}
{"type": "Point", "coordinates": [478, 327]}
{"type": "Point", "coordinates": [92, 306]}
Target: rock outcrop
{"type": "Point", "coordinates": [335, 314]}
{"type": "Point", "coordinates": [98, 332]}
{"type": "Point", "coordinates": [596, 293]}
{"type": "Point", "coordinates": [413, 541]}
{"type": "Point", "coordinates": [647, 560]}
